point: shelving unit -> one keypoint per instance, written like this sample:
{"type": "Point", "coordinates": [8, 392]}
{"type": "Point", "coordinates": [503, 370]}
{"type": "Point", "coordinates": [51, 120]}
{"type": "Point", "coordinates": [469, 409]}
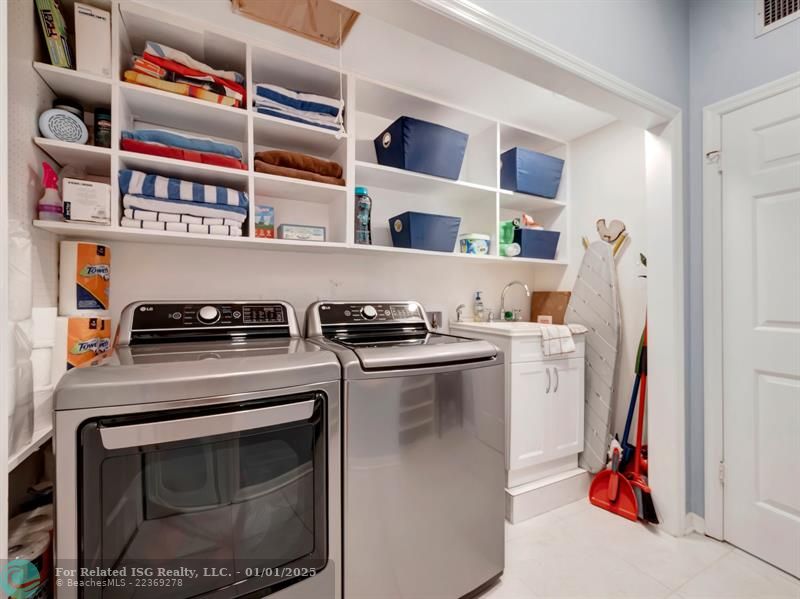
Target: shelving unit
{"type": "Point", "coordinates": [370, 106]}
{"type": "Point", "coordinates": [39, 438]}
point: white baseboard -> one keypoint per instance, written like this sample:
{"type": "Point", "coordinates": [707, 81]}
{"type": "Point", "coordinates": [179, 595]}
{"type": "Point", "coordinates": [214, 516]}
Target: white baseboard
{"type": "Point", "coordinates": [695, 523]}
{"type": "Point", "coordinates": [526, 501]}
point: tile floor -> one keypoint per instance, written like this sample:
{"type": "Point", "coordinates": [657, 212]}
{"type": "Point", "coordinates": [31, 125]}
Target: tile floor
{"type": "Point", "coordinates": [581, 551]}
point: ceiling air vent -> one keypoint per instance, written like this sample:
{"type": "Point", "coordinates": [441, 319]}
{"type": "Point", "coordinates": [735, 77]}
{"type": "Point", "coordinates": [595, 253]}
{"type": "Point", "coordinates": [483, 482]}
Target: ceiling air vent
{"type": "Point", "coordinates": [771, 14]}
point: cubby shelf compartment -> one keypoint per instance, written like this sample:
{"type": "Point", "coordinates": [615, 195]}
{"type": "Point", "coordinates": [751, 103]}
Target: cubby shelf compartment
{"type": "Point", "coordinates": [275, 132]}
{"type": "Point", "coordinates": [104, 233]}
{"type": "Point", "coordinates": [297, 189]}
{"type": "Point", "coordinates": [181, 112]}
{"type": "Point", "coordinates": [185, 169]}
{"type": "Point", "coordinates": [95, 160]}
{"type": "Point", "coordinates": [521, 201]}
{"type": "Point", "coordinates": [88, 89]}
{"type": "Point", "coordinates": [39, 438]}
{"type": "Point", "coordinates": [387, 177]}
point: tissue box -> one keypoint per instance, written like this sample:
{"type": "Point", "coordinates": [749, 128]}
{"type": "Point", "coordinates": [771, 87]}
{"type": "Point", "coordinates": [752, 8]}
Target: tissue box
{"type": "Point", "coordinates": [86, 201]}
{"type": "Point", "coordinates": [301, 232]}
{"type": "Point", "coordinates": [265, 221]}
{"type": "Point", "coordinates": [92, 40]}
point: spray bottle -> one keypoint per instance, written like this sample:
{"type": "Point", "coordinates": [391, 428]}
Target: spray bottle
{"type": "Point", "coordinates": [50, 205]}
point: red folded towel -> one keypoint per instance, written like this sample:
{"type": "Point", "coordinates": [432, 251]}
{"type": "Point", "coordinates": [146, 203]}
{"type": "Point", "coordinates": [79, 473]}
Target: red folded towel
{"type": "Point", "coordinates": [143, 147]}
{"type": "Point", "coordinates": [176, 67]}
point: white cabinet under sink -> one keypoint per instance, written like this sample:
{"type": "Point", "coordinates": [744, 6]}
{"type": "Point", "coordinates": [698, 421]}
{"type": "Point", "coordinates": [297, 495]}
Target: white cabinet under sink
{"type": "Point", "coordinates": [544, 416]}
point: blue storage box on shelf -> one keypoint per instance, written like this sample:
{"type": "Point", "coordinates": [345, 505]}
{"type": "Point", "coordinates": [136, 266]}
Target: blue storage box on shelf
{"type": "Point", "coordinates": [422, 147]}
{"type": "Point", "coordinates": [536, 243]}
{"type": "Point", "coordinates": [533, 173]}
{"type": "Point", "coordinates": [421, 231]}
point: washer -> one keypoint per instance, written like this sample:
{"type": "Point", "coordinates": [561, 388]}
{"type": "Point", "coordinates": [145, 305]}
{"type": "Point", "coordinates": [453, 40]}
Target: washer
{"type": "Point", "coordinates": [423, 452]}
{"type": "Point", "coordinates": [209, 445]}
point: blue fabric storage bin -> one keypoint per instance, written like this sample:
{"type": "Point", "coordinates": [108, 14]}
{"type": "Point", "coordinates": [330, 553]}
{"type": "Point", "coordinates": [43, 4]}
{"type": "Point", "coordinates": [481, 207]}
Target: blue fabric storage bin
{"type": "Point", "coordinates": [422, 147]}
{"type": "Point", "coordinates": [535, 243]}
{"type": "Point", "coordinates": [534, 173]}
{"type": "Point", "coordinates": [421, 231]}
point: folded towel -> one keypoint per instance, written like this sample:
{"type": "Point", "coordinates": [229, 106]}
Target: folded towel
{"type": "Point", "coordinates": [557, 339]}
{"type": "Point", "coordinates": [234, 213]}
{"type": "Point", "coordinates": [315, 117]}
{"type": "Point", "coordinates": [167, 217]}
{"type": "Point", "coordinates": [170, 188]}
{"type": "Point", "coordinates": [133, 223]}
{"type": "Point", "coordinates": [181, 57]}
{"type": "Point", "coordinates": [296, 119]}
{"type": "Point", "coordinates": [154, 149]}
{"type": "Point", "coordinates": [175, 71]}
{"type": "Point", "coordinates": [142, 65]}
{"type": "Point", "coordinates": [185, 142]}
{"type": "Point", "coordinates": [271, 169]}
{"type": "Point", "coordinates": [302, 162]}
{"type": "Point", "coordinates": [299, 100]}
{"type": "Point", "coordinates": [182, 89]}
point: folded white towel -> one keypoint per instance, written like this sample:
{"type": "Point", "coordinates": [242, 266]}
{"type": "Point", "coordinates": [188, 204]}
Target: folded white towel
{"type": "Point", "coordinates": [557, 339]}
{"type": "Point", "coordinates": [135, 223]}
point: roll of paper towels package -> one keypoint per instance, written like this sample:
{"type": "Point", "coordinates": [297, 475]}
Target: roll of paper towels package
{"type": "Point", "coordinates": [80, 342]}
{"type": "Point", "coordinates": [20, 369]}
{"type": "Point", "coordinates": [20, 272]}
{"type": "Point", "coordinates": [84, 285]}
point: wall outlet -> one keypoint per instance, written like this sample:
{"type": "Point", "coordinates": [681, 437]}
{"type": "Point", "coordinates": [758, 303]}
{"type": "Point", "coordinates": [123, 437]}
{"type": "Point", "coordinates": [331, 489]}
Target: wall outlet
{"type": "Point", "coordinates": [435, 318]}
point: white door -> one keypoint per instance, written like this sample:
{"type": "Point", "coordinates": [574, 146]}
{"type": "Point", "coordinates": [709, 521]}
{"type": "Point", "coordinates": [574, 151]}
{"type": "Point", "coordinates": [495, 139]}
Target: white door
{"type": "Point", "coordinates": [530, 386]}
{"type": "Point", "coordinates": [566, 408]}
{"type": "Point", "coordinates": [761, 308]}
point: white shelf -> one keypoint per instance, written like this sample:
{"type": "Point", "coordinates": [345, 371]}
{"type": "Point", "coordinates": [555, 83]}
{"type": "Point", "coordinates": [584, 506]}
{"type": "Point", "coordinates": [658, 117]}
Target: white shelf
{"type": "Point", "coordinates": [95, 160]}
{"type": "Point", "coordinates": [521, 201]}
{"type": "Point", "coordinates": [181, 112]}
{"type": "Point", "coordinates": [387, 177]}
{"type": "Point", "coordinates": [106, 233]}
{"type": "Point", "coordinates": [88, 89]}
{"type": "Point", "coordinates": [39, 438]}
{"type": "Point", "coordinates": [275, 132]}
{"type": "Point", "coordinates": [298, 189]}
{"type": "Point", "coordinates": [185, 169]}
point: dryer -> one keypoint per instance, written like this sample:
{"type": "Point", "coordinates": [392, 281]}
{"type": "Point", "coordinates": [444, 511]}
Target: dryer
{"type": "Point", "coordinates": [202, 460]}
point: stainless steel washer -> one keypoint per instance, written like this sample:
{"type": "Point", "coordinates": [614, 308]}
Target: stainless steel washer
{"type": "Point", "coordinates": [423, 463]}
{"type": "Point", "coordinates": [210, 447]}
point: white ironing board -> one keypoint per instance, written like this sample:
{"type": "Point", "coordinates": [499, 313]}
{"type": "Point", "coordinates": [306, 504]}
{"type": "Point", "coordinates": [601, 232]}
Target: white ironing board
{"type": "Point", "coordinates": [594, 303]}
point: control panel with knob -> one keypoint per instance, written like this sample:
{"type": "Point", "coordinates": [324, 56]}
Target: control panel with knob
{"type": "Point", "coordinates": [208, 314]}
{"type": "Point", "coordinates": [369, 312]}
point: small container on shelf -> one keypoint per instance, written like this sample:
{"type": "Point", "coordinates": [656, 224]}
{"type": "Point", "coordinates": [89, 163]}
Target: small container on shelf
{"type": "Point", "coordinates": [537, 243]}
{"type": "Point", "coordinates": [533, 173]}
{"type": "Point", "coordinates": [422, 147]}
{"type": "Point", "coordinates": [474, 243]}
{"type": "Point", "coordinates": [421, 231]}
{"type": "Point", "coordinates": [265, 221]}
{"type": "Point", "coordinates": [301, 232]}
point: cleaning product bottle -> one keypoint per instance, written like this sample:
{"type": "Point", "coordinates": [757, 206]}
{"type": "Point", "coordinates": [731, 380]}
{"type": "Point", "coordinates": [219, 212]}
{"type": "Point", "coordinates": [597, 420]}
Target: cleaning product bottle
{"type": "Point", "coordinates": [50, 205]}
{"type": "Point", "coordinates": [363, 217]}
{"type": "Point", "coordinates": [477, 307]}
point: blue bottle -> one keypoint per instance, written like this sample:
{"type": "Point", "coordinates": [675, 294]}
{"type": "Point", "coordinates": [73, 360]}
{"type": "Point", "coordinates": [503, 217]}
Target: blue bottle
{"type": "Point", "coordinates": [363, 219]}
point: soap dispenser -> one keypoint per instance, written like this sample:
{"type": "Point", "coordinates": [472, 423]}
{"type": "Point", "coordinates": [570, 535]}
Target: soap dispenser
{"type": "Point", "coordinates": [477, 307]}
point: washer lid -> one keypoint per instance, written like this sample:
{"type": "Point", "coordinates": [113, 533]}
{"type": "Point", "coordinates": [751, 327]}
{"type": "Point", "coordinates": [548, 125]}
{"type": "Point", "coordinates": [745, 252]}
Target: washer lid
{"type": "Point", "coordinates": [153, 374]}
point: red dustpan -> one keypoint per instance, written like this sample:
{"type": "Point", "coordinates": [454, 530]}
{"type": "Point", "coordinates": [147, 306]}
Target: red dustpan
{"type": "Point", "coordinates": [611, 491]}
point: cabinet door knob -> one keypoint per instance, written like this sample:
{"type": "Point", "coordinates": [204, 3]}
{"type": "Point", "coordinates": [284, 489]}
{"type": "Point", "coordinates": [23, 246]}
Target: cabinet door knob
{"type": "Point", "coordinates": [547, 370]}
{"type": "Point", "coordinates": [556, 369]}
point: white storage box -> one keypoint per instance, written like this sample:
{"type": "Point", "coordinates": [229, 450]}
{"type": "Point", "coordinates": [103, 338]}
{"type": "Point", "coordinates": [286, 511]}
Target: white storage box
{"type": "Point", "coordinates": [86, 201]}
{"type": "Point", "coordinates": [92, 40]}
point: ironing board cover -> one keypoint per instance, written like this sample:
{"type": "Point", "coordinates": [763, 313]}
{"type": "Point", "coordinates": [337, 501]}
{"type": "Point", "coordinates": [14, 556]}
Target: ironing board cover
{"type": "Point", "coordinates": [595, 304]}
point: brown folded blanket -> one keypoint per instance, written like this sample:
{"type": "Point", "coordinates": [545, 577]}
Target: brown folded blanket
{"type": "Point", "coordinates": [271, 169]}
{"type": "Point", "coordinates": [301, 162]}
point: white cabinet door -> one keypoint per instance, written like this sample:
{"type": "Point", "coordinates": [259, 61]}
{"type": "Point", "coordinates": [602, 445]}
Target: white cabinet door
{"type": "Point", "coordinates": [566, 401]}
{"type": "Point", "coordinates": [529, 414]}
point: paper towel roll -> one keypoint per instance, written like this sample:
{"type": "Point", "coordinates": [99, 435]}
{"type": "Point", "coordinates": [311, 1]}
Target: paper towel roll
{"type": "Point", "coordinates": [44, 327]}
{"type": "Point", "coordinates": [80, 341]}
{"type": "Point", "coordinates": [20, 369]}
{"type": "Point", "coordinates": [84, 279]}
{"type": "Point", "coordinates": [42, 360]}
{"type": "Point", "coordinates": [43, 407]}
{"type": "Point", "coordinates": [20, 272]}
{"type": "Point", "coordinates": [30, 579]}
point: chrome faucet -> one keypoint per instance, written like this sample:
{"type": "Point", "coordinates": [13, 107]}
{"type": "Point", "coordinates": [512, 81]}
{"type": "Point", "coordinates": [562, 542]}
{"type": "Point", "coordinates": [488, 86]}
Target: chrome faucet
{"type": "Point", "coordinates": [503, 297]}
{"type": "Point", "coordinates": [459, 310]}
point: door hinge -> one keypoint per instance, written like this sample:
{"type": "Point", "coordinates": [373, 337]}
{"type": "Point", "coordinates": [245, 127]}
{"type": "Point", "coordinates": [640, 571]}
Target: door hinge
{"type": "Point", "coordinates": [722, 473]}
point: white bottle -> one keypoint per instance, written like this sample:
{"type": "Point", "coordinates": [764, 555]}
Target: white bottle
{"type": "Point", "coordinates": [477, 307]}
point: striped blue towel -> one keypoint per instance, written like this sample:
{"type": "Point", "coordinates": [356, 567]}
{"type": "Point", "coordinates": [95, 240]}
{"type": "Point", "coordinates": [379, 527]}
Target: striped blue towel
{"type": "Point", "coordinates": [169, 188]}
{"type": "Point", "coordinates": [299, 100]}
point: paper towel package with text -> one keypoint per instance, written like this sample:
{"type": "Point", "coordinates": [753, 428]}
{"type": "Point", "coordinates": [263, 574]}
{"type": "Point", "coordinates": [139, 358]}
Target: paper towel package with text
{"type": "Point", "coordinates": [84, 279]}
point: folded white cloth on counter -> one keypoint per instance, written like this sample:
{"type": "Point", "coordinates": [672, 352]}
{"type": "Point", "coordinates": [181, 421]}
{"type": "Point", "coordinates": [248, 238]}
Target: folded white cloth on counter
{"type": "Point", "coordinates": [557, 339]}
{"type": "Point", "coordinates": [166, 217]}
{"type": "Point", "coordinates": [155, 225]}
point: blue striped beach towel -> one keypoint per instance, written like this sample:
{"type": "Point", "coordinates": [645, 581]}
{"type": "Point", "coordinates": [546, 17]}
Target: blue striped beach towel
{"type": "Point", "coordinates": [169, 188]}
{"type": "Point", "coordinates": [299, 100]}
